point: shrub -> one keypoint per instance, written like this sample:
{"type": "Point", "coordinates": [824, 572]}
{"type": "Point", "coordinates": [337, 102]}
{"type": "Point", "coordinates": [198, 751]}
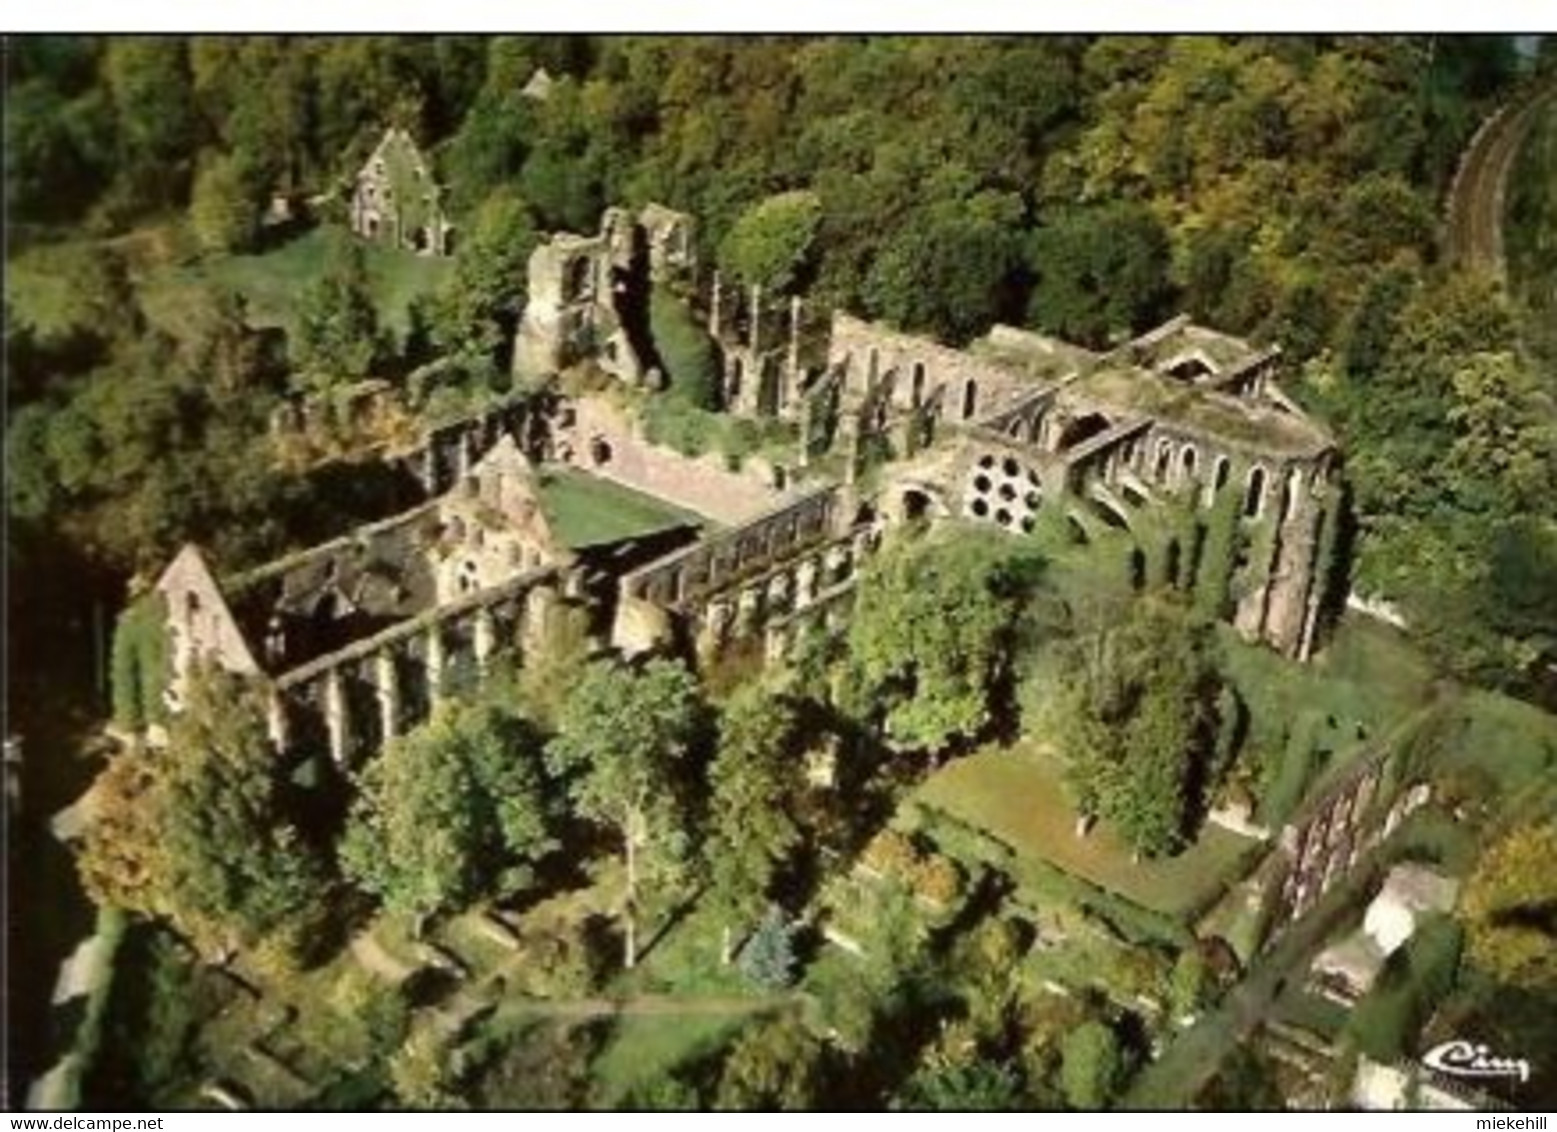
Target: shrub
{"type": "Point", "coordinates": [768, 959]}
{"type": "Point", "coordinates": [686, 351]}
{"type": "Point", "coordinates": [1289, 778]}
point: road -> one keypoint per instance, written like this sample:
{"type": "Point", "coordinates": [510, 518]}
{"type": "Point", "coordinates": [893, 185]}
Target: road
{"type": "Point", "coordinates": [1474, 239]}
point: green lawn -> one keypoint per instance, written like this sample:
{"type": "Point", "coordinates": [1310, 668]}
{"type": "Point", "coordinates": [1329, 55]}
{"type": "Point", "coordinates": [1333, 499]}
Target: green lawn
{"type": "Point", "coordinates": [1016, 795]}
{"type": "Point", "coordinates": [645, 1047]}
{"type": "Point", "coordinates": [274, 280]}
{"type": "Point", "coordinates": [1511, 740]}
{"type": "Point", "coordinates": [586, 509]}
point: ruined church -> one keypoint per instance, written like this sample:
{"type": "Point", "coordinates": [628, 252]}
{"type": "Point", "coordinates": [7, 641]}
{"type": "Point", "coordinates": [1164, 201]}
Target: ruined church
{"type": "Point", "coordinates": [356, 639]}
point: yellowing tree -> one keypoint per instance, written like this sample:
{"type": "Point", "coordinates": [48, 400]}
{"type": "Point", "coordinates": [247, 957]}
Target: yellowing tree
{"type": "Point", "coordinates": [1510, 908]}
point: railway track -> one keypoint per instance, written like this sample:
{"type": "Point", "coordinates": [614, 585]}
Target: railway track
{"type": "Point", "coordinates": [1474, 231]}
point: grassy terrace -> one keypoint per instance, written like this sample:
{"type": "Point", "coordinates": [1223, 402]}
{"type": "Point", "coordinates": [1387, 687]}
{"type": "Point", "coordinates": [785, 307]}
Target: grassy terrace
{"type": "Point", "coordinates": [275, 280]}
{"type": "Point", "coordinates": [1016, 796]}
{"type": "Point", "coordinates": [586, 509]}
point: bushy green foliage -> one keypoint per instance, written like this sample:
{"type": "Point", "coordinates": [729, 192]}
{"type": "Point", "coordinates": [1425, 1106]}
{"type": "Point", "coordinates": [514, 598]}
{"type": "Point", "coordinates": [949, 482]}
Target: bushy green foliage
{"type": "Point", "coordinates": [754, 782]}
{"type": "Point", "coordinates": [139, 667]}
{"type": "Point", "coordinates": [686, 350]}
{"type": "Point", "coordinates": [769, 244]}
{"type": "Point", "coordinates": [1091, 1066]}
{"type": "Point", "coordinates": [225, 208]}
{"type": "Point", "coordinates": [1137, 724]}
{"type": "Point", "coordinates": [1288, 774]}
{"type": "Point", "coordinates": [453, 810]}
{"type": "Point", "coordinates": [477, 309]}
{"type": "Point", "coordinates": [982, 1086]}
{"type": "Point", "coordinates": [1416, 978]}
{"type": "Point", "coordinates": [204, 833]}
{"type": "Point", "coordinates": [775, 1064]}
{"type": "Point", "coordinates": [1507, 905]}
{"type": "Point", "coordinates": [932, 633]}
{"type": "Point", "coordinates": [623, 738]}
{"type": "Point", "coordinates": [768, 959]}
{"type": "Point", "coordinates": [1102, 273]}
{"type": "Point", "coordinates": [338, 333]}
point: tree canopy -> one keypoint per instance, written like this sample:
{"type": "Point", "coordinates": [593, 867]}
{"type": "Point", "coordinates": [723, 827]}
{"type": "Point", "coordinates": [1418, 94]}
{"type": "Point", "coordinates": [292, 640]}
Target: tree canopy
{"type": "Point", "coordinates": [453, 810]}
{"type": "Point", "coordinates": [622, 737]}
{"type": "Point", "coordinates": [932, 634]}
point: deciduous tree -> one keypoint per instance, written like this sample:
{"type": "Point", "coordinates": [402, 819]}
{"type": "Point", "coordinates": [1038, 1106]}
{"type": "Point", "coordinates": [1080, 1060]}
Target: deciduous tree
{"type": "Point", "coordinates": [622, 738]}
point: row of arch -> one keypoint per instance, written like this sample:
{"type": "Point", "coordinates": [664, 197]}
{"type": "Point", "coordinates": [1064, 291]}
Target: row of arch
{"type": "Point", "coordinates": [1178, 465]}
{"type": "Point", "coordinates": [918, 376]}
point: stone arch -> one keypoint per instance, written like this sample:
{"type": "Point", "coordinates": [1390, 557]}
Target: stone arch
{"type": "Point", "coordinates": [1289, 501]}
{"type": "Point", "coordinates": [1254, 492]}
{"type": "Point", "coordinates": [577, 281]}
{"type": "Point", "coordinates": [1083, 428]}
{"type": "Point", "coordinates": [970, 398]}
{"type": "Point", "coordinates": [1164, 458]}
{"type": "Point", "coordinates": [1105, 510]}
{"type": "Point", "coordinates": [1221, 470]}
{"type": "Point", "coordinates": [1189, 458]}
{"type": "Point", "coordinates": [737, 376]}
{"type": "Point", "coordinates": [916, 385]}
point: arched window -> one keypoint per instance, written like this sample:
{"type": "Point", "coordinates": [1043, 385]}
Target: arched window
{"type": "Point", "coordinates": [1187, 460]}
{"type": "Point", "coordinates": [1219, 476]}
{"type": "Point", "coordinates": [970, 399]}
{"type": "Point", "coordinates": [578, 279]}
{"type": "Point", "coordinates": [1164, 457]}
{"type": "Point", "coordinates": [916, 392]}
{"type": "Point", "coordinates": [1254, 498]}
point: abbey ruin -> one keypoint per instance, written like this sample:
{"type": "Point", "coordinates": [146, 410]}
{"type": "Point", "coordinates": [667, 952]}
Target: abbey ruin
{"type": "Point", "coordinates": [355, 639]}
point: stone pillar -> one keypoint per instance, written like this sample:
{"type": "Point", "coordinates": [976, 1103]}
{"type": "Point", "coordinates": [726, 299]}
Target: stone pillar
{"type": "Point", "coordinates": [756, 325]}
{"type": "Point", "coordinates": [276, 721]}
{"type": "Point", "coordinates": [387, 680]}
{"type": "Point", "coordinates": [486, 639]}
{"type": "Point", "coordinates": [538, 606]}
{"type": "Point", "coordinates": [775, 644]}
{"type": "Point", "coordinates": [715, 628]}
{"type": "Point", "coordinates": [807, 408]}
{"type": "Point", "coordinates": [435, 663]}
{"type": "Point", "coordinates": [792, 378]}
{"type": "Point", "coordinates": [464, 455]}
{"type": "Point", "coordinates": [714, 312]}
{"type": "Point", "coordinates": [337, 716]}
{"type": "Point", "coordinates": [805, 583]}
{"type": "Point", "coordinates": [430, 468]}
{"type": "Point", "coordinates": [748, 610]}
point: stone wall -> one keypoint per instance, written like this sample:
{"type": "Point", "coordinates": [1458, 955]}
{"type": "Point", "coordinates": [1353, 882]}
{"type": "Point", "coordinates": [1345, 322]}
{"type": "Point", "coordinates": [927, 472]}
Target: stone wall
{"type": "Point", "coordinates": [868, 351]}
{"type": "Point", "coordinates": [200, 624]}
{"type": "Point", "coordinates": [1332, 833]}
{"type": "Point", "coordinates": [594, 434]}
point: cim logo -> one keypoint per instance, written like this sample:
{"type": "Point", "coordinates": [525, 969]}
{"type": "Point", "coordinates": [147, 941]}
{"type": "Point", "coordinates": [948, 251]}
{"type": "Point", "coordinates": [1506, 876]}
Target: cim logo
{"type": "Point", "coordinates": [1465, 1059]}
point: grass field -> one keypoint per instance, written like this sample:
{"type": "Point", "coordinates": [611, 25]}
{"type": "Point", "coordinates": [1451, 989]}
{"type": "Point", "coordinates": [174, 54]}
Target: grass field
{"type": "Point", "coordinates": [273, 281]}
{"type": "Point", "coordinates": [644, 1048]}
{"type": "Point", "coordinates": [1513, 741]}
{"type": "Point", "coordinates": [586, 509]}
{"type": "Point", "coordinates": [1016, 796]}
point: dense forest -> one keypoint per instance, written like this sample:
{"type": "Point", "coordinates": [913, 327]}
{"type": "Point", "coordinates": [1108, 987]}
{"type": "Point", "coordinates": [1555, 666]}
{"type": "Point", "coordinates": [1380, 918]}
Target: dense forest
{"type": "Point", "coordinates": [1284, 188]}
